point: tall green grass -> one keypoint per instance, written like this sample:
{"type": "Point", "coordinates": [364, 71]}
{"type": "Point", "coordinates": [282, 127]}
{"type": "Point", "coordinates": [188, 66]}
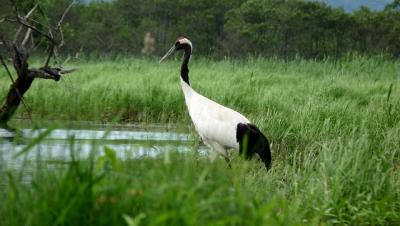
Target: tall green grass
{"type": "Point", "coordinates": [172, 189]}
{"type": "Point", "coordinates": [334, 129]}
{"type": "Point", "coordinates": [143, 90]}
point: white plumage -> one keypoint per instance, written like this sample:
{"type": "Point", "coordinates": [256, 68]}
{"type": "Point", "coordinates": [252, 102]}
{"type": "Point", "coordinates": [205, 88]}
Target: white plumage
{"type": "Point", "coordinates": [219, 127]}
{"type": "Point", "coordinates": [216, 124]}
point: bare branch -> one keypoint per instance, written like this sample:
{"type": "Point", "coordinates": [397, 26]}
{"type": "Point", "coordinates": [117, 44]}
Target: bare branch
{"type": "Point", "coordinates": [31, 11]}
{"type": "Point", "coordinates": [26, 24]}
{"type": "Point", "coordinates": [49, 73]}
{"type": "Point", "coordinates": [48, 26]}
{"type": "Point", "coordinates": [45, 73]}
{"type": "Point", "coordinates": [18, 60]}
{"type": "Point", "coordinates": [67, 71]}
{"type": "Point", "coordinates": [65, 13]}
{"type": "Point", "coordinates": [62, 38]}
{"type": "Point", "coordinates": [32, 44]}
{"type": "Point", "coordinates": [27, 36]}
{"type": "Point", "coordinates": [52, 49]}
{"type": "Point", "coordinates": [25, 17]}
{"type": "Point", "coordinates": [35, 45]}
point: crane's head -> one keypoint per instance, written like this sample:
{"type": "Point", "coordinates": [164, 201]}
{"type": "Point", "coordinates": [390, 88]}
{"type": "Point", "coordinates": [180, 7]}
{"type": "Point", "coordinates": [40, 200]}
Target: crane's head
{"type": "Point", "coordinates": [180, 43]}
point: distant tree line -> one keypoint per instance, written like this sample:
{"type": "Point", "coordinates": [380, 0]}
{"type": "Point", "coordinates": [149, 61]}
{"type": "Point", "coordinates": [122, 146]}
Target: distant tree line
{"type": "Point", "coordinates": [236, 28]}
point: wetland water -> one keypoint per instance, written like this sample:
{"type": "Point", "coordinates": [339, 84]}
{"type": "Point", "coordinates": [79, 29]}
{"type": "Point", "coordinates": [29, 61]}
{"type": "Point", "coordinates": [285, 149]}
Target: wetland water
{"type": "Point", "coordinates": [128, 141]}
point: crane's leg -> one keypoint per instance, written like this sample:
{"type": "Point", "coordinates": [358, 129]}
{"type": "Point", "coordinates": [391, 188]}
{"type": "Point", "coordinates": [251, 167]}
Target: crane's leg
{"type": "Point", "coordinates": [228, 161]}
{"type": "Point", "coordinates": [219, 150]}
{"type": "Point", "coordinates": [214, 154]}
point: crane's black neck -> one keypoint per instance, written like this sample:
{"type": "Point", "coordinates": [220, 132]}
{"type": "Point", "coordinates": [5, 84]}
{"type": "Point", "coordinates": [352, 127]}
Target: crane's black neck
{"type": "Point", "coordinates": [184, 68]}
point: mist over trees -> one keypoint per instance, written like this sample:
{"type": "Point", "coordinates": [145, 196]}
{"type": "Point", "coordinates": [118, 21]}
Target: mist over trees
{"type": "Point", "coordinates": [235, 28]}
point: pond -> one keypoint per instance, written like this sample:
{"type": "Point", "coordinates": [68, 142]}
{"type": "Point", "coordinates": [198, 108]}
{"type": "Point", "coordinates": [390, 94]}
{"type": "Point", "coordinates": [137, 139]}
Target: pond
{"type": "Point", "coordinates": [128, 141]}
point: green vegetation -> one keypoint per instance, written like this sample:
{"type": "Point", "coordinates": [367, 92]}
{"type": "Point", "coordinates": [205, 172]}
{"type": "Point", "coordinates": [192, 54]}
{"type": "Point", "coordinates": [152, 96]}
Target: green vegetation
{"type": "Point", "coordinates": [334, 129]}
{"type": "Point", "coordinates": [334, 123]}
{"type": "Point", "coordinates": [282, 28]}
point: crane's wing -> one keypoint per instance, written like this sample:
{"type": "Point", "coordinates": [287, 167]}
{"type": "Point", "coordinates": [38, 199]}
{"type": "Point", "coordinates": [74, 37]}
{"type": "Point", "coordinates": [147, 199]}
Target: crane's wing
{"type": "Point", "coordinates": [214, 121]}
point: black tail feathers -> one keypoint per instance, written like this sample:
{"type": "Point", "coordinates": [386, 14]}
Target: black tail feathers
{"type": "Point", "coordinates": [251, 140]}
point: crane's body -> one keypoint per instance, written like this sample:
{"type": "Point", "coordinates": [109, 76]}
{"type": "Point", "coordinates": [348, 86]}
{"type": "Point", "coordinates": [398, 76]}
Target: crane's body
{"type": "Point", "coordinates": [215, 124]}
{"type": "Point", "coordinates": [219, 127]}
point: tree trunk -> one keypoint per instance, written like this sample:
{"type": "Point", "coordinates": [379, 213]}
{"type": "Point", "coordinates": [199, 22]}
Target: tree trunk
{"type": "Point", "coordinates": [14, 98]}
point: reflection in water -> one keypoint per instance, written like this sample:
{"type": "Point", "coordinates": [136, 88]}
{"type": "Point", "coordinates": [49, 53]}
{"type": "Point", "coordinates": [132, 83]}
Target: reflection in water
{"type": "Point", "coordinates": [128, 142]}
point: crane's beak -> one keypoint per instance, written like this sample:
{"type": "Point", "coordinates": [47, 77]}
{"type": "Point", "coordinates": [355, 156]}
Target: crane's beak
{"type": "Point", "coordinates": [170, 51]}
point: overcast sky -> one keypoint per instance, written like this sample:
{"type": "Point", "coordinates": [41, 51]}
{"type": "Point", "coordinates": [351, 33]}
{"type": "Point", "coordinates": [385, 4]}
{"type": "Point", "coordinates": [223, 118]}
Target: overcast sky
{"type": "Point", "coordinates": [351, 5]}
{"type": "Point", "coordinates": [348, 5]}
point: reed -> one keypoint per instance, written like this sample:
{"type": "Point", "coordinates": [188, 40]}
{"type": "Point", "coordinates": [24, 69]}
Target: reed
{"type": "Point", "coordinates": [334, 129]}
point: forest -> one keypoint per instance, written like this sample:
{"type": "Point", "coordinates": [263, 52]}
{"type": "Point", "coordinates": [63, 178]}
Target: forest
{"type": "Point", "coordinates": [225, 28]}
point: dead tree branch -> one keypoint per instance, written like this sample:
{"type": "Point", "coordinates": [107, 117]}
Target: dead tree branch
{"type": "Point", "coordinates": [19, 54]}
{"type": "Point", "coordinates": [27, 36]}
{"type": "Point", "coordinates": [25, 23]}
{"type": "Point", "coordinates": [26, 17]}
{"type": "Point", "coordinates": [53, 46]}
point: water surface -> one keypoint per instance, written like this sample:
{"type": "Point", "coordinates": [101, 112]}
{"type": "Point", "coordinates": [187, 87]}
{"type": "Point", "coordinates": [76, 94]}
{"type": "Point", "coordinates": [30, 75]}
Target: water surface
{"type": "Point", "coordinates": [127, 140]}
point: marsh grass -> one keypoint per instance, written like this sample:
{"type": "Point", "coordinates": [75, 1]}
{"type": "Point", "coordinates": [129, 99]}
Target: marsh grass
{"type": "Point", "coordinates": [334, 129]}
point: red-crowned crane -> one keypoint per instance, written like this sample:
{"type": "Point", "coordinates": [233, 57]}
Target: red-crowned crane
{"type": "Point", "coordinates": [219, 127]}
